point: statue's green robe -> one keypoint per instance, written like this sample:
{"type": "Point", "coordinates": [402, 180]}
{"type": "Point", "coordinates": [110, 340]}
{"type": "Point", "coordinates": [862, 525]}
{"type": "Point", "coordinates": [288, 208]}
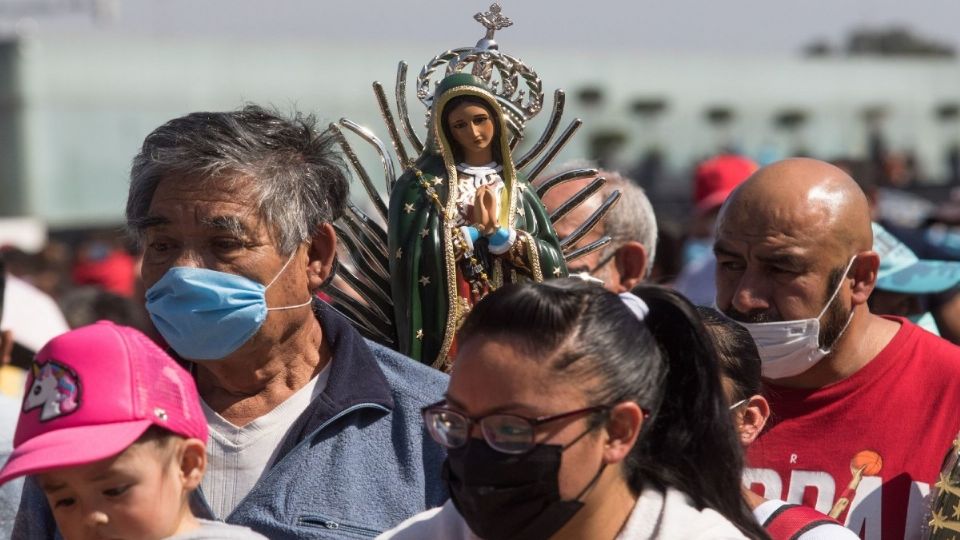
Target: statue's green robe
{"type": "Point", "coordinates": [424, 271]}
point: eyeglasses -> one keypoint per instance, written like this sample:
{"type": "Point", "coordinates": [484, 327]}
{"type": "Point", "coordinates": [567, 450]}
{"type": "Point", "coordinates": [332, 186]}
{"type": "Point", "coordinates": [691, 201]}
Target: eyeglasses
{"type": "Point", "coordinates": [603, 262]}
{"type": "Point", "coordinates": [600, 264]}
{"type": "Point", "coordinates": [507, 433]}
{"type": "Point", "coordinates": [737, 404]}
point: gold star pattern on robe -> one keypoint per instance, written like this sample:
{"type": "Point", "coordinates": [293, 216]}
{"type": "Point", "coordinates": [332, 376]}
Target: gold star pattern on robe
{"type": "Point", "coordinates": [941, 481]}
{"type": "Point", "coordinates": [399, 252]}
{"type": "Point", "coordinates": [437, 181]}
{"type": "Point", "coordinates": [420, 334]}
{"type": "Point", "coordinates": [520, 211]}
{"type": "Point", "coordinates": [408, 208]}
{"type": "Point", "coordinates": [424, 232]}
{"type": "Point", "coordinates": [424, 280]}
{"type": "Point", "coordinates": [939, 521]}
{"type": "Point", "coordinates": [556, 271]}
{"type": "Point", "coordinates": [944, 484]}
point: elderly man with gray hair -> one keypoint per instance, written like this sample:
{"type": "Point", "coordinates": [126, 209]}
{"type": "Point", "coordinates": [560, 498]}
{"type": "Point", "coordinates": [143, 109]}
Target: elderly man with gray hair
{"type": "Point", "coordinates": [314, 431]}
{"type": "Point", "coordinates": [631, 225]}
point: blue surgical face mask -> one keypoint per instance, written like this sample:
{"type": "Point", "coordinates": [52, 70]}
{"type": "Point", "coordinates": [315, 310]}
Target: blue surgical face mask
{"type": "Point", "coordinates": [695, 248]}
{"type": "Point", "coordinates": [206, 315]}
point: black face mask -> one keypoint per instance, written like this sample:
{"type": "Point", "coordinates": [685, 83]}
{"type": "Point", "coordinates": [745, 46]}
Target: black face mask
{"type": "Point", "coordinates": [503, 496]}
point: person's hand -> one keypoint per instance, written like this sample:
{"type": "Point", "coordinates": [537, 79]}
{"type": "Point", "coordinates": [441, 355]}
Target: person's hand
{"type": "Point", "coordinates": [485, 210]}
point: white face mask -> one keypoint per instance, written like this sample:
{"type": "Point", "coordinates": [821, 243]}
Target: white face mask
{"type": "Point", "coordinates": [789, 348]}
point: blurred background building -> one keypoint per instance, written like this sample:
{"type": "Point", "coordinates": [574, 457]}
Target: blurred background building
{"type": "Point", "coordinates": [80, 88]}
{"type": "Point", "coordinates": [73, 111]}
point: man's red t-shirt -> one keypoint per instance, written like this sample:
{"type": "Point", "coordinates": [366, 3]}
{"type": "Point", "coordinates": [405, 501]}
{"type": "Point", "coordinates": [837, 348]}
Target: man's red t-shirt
{"type": "Point", "coordinates": [876, 439]}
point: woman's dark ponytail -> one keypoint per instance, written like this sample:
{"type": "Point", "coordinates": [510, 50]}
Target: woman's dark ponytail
{"type": "Point", "coordinates": [690, 443]}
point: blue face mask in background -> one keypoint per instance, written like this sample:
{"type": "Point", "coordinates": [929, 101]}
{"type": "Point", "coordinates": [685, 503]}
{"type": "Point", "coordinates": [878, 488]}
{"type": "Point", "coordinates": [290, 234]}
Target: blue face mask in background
{"type": "Point", "coordinates": [206, 315]}
{"type": "Point", "coordinates": [695, 248]}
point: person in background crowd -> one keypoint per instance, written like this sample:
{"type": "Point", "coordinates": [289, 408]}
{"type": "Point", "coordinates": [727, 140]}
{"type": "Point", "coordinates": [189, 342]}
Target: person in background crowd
{"type": "Point", "coordinates": [740, 374]}
{"type": "Point", "coordinates": [30, 318]}
{"type": "Point", "coordinates": [88, 304]}
{"type": "Point", "coordinates": [574, 412]}
{"type": "Point", "coordinates": [667, 265]}
{"type": "Point", "coordinates": [903, 280]}
{"type": "Point", "coordinates": [931, 242]}
{"type": "Point", "coordinates": [9, 409]}
{"type": "Point", "coordinates": [6, 336]}
{"type": "Point", "coordinates": [795, 266]}
{"type": "Point", "coordinates": [106, 264]}
{"type": "Point", "coordinates": [313, 430]}
{"type": "Point", "coordinates": [713, 182]}
{"type": "Point", "coordinates": [47, 269]}
{"type": "Point", "coordinates": [631, 224]}
{"type": "Point", "coordinates": [117, 451]}
{"type": "Point", "coordinates": [945, 308]}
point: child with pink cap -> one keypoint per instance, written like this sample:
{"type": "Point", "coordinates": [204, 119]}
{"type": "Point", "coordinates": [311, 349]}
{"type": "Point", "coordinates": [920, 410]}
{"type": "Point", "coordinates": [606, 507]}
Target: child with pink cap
{"type": "Point", "coordinates": [112, 430]}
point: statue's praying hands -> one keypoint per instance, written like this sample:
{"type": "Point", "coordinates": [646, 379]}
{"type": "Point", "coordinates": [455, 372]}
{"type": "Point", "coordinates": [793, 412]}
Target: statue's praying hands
{"type": "Point", "coordinates": [485, 209]}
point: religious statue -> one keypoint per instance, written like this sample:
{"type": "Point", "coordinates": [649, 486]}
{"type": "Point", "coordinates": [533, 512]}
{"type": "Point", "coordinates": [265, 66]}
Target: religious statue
{"type": "Point", "coordinates": [942, 520]}
{"type": "Point", "coordinates": [462, 220]}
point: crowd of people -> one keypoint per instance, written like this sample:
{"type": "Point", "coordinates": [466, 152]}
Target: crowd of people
{"type": "Point", "coordinates": [790, 383]}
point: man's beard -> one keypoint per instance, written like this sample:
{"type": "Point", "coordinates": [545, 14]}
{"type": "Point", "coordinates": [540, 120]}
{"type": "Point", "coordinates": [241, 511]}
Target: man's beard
{"type": "Point", "coordinates": [832, 324]}
{"type": "Point", "coordinates": [749, 318]}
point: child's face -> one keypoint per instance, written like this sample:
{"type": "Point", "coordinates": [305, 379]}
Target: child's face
{"type": "Point", "coordinates": [138, 494]}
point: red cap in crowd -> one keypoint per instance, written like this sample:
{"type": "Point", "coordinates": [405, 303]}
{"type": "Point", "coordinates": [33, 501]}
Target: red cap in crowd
{"type": "Point", "coordinates": [113, 270]}
{"type": "Point", "coordinates": [717, 177]}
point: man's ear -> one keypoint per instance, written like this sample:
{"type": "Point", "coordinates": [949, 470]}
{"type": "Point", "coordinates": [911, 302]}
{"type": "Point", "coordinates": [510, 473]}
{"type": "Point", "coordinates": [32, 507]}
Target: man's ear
{"type": "Point", "coordinates": [622, 428]}
{"type": "Point", "coordinates": [753, 416]}
{"type": "Point", "coordinates": [631, 260]}
{"type": "Point", "coordinates": [193, 463]}
{"type": "Point", "coordinates": [864, 274]}
{"type": "Point", "coordinates": [321, 255]}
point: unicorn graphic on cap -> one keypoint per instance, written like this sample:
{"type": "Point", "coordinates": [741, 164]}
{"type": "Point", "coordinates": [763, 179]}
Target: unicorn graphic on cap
{"type": "Point", "coordinates": [55, 387]}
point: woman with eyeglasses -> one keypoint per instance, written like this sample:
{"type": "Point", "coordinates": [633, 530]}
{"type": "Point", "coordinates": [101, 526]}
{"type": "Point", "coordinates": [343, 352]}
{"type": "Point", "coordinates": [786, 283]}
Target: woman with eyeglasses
{"type": "Point", "coordinates": [740, 376]}
{"type": "Point", "coordinates": [575, 413]}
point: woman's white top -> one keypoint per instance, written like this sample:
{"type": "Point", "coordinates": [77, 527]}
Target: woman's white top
{"type": "Point", "coordinates": [669, 515]}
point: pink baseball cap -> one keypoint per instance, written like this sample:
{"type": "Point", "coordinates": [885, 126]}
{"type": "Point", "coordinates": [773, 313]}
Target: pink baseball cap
{"type": "Point", "coordinates": [92, 392]}
{"type": "Point", "coordinates": [717, 177]}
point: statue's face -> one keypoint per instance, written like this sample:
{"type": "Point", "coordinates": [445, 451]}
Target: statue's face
{"type": "Point", "coordinates": [471, 126]}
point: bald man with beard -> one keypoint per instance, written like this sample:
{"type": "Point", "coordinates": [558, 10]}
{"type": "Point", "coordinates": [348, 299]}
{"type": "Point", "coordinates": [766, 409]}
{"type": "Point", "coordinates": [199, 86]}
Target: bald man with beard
{"type": "Point", "coordinates": [864, 406]}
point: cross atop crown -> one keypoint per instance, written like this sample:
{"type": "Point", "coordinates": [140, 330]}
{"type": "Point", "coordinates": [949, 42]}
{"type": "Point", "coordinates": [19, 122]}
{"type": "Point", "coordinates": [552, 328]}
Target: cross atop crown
{"type": "Point", "coordinates": [493, 20]}
{"type": "Point", "coordinates": [502, 74]}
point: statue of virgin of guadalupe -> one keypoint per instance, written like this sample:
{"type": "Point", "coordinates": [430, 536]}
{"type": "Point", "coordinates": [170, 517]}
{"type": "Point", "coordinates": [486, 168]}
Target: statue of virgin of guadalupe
{"type": "Point", "coordinates": [462, 222]}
